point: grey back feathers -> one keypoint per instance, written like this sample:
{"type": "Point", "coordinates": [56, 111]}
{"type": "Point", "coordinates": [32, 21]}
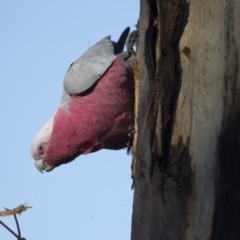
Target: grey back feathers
{"type": "Point", "coordinates": [87, 69]}
{"type": "Point", "coordinates": [65, 100]}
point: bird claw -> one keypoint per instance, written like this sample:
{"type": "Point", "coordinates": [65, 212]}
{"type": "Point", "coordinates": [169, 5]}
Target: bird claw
{"type": "Point", "coordinates": [132, 131]}
{"type": "Point", "coordinates": [132, 38]}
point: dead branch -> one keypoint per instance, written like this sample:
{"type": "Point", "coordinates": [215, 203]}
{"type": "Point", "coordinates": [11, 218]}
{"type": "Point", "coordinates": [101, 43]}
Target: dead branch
{"type": "Point", "coordinates": [18, 210]}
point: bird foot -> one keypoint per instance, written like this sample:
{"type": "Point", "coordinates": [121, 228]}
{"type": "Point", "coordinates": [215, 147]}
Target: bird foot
{"type": "Point", "coordinates": [132, 38]}
{"type": "Point", "coordinates": [131, 131]}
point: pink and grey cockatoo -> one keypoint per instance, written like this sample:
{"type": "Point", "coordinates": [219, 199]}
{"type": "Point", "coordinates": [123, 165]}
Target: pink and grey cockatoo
{"type": "Point", "coordinates": [96, 108]}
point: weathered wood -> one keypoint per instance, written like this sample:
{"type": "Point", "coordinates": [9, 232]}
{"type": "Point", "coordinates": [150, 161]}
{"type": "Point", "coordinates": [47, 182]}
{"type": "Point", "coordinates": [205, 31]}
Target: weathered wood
{"type": "Point", "coordinates": [187, 175]}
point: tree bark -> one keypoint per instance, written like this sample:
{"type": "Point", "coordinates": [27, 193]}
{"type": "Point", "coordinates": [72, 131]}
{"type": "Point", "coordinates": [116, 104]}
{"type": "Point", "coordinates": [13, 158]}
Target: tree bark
{"type": "Point", "coordinates": [186, 164]}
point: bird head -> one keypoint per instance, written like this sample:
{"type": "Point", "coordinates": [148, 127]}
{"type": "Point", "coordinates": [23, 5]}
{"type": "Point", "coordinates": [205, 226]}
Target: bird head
{"type": "Point", "coordinates": [55, 144]}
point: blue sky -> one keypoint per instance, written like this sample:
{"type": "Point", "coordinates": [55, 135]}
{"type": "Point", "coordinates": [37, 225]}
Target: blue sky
{"type": "Point", "coordinates": [91, 197]}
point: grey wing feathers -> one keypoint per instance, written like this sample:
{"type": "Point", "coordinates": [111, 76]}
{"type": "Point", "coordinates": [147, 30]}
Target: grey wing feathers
{"type": "Point", "coordinates": [87, 69]}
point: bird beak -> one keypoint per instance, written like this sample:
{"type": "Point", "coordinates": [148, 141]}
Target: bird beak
{"type": "Point", "coordinates": [41, 166]}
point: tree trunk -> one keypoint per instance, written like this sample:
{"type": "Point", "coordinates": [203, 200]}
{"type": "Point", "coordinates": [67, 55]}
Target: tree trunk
{"type": "Point", "coordinates": [186, 165]}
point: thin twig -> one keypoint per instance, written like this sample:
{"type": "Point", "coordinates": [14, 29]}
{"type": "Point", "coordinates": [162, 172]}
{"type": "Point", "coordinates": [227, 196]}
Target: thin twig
{"type": "Point", "coordinates": [18, 210]}
{"type": "Point", "coordinates": [18, 228]}
{"type": "Point", "coordinates": [10, 230]}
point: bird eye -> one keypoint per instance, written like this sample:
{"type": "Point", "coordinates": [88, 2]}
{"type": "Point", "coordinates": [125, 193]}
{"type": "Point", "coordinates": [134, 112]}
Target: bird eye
{"type": "Point", "coordinates": [41, 149]}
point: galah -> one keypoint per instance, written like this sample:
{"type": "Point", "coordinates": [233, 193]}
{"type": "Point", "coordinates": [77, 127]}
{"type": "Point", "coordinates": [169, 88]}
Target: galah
{"type": "Point", "coordinates": [96, 108]}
